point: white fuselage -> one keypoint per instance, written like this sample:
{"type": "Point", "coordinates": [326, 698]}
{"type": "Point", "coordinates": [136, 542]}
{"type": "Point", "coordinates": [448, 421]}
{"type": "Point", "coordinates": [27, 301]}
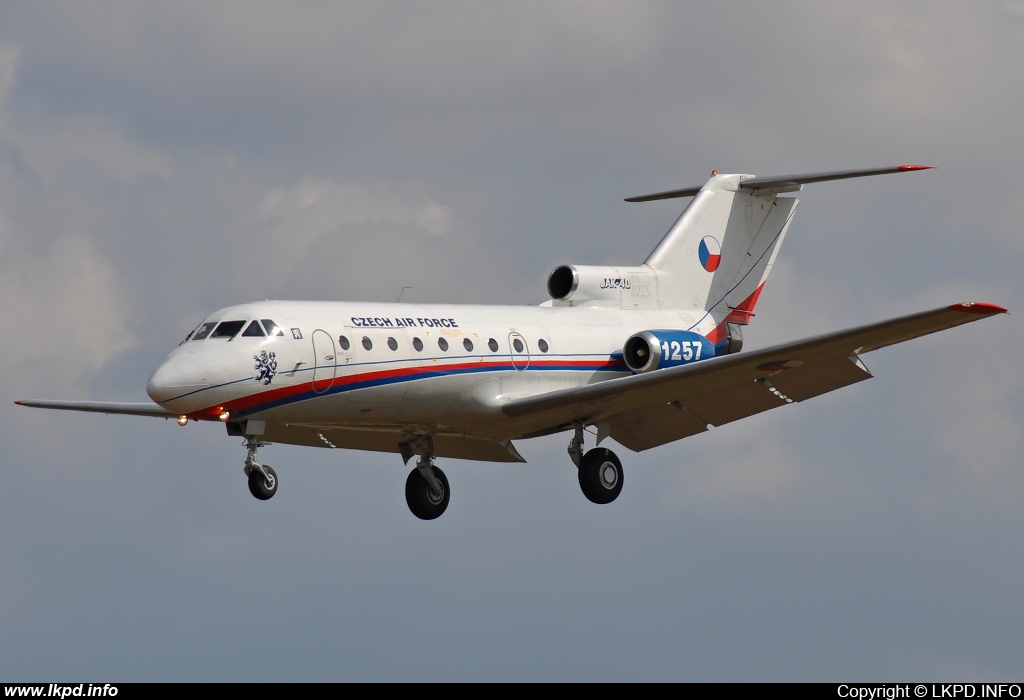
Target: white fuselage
{"type": "Point", "coordinates": [441, 366]}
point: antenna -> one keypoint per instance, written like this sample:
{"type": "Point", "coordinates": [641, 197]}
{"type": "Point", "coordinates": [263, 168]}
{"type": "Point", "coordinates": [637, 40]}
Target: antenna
{"type": "Point", "coordinates": [404, 287]}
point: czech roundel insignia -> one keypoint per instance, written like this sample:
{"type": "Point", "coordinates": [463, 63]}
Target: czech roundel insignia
{"type": "Point", "coordinates": [710, 253]}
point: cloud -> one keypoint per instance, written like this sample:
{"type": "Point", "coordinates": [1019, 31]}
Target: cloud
{"type": "Point", "coordinates": [363, 238]}
{"type": "Point", "coordinates": [971, 396]}
{"type": "Point", "coordinates": [65, 303]}
{"type": "Point", "coordinates": [56, 149]}
{"type": "Point", "coordinates": [94, 146]}
{"type": "Point", "coordinates": [9, 56]}
{"type": "Point", "coordinates": [66, 314]}
{"type": "Point", "coordinates": [317, 207]}
{"type": "Point", "coordinates": [735, 469]}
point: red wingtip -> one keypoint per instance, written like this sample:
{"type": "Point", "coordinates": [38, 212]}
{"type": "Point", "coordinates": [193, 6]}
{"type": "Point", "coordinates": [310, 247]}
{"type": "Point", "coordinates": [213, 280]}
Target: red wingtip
{"type": "Point", "coordinates": [978, 307]}
{"type": "Point", "coordinates": [913, 167]}
{"type": "Point", "coordinates": [19, 402]}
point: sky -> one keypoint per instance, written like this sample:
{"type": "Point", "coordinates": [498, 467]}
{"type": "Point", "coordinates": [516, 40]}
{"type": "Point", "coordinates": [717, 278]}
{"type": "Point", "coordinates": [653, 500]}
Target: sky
{"type": "Point", "coordinates": [159, 161]}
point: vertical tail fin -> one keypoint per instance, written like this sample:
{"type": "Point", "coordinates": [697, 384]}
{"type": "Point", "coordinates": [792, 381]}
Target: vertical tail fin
{"type": "Point", "coordinates": [720, 251]}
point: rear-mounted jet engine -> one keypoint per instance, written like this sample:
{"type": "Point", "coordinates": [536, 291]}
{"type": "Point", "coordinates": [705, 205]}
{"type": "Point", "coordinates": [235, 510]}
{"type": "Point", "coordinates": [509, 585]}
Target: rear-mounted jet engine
{"type": "Point", "coordinates": [650, 350]}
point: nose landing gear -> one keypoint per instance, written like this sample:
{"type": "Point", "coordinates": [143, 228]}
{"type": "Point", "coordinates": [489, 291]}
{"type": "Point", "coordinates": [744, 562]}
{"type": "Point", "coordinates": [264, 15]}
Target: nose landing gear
{"type": "Point", "coordinates": [262, 478]}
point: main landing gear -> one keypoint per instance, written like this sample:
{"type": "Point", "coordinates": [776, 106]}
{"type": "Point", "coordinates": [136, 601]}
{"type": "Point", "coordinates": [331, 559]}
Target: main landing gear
{"type": "Point", "coordinates": [427, 491]}
{"type": "Point", "coordinates": [262, 479]}
{"type": "Point", "coordinates": [426, 488]}
{"type": "Point", "coordinates": [599, 470]}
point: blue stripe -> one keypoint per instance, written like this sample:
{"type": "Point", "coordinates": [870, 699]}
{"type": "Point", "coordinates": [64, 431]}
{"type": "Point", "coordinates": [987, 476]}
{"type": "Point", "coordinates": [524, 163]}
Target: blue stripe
{"type": "Point", "coordinates": [385, 381]}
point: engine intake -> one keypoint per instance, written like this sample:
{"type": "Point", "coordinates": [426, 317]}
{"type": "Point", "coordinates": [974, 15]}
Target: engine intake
{"type": "Point", "coordinates": [650, 350]}
{"type": "Point", "coordinates": [563, 281]}
{"type": "Point", "coordinates": [621, 287]}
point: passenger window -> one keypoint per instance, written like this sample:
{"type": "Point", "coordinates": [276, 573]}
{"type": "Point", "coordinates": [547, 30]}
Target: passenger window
{"type": "Point", "coordinates": [271, 327]}
{"type": "Point", "coordinates": [443, 344]}
{"type": "Point", "coordinates": [343, 342]}
{"type": "Point", "coordinates": [204, 331]}
{"type": "Point", "coordinates": [418, 344]}
{"type": "Point", "coordinates": [253, 331]}
{"type": "Point", "coordinates": [518, 345]}
{"type": "Point", "coordinates": [392, 343]}
{"type": "Point", "coordinates": [492, 344]}
{"type": "Point", "coordinates": [228, 329]}
{"type": "Point", "coordinates": [468, 344]}
{"type": "Point", "coordinates": [543, 345]}
{"type": "Point", "coordinates": [367, 343]}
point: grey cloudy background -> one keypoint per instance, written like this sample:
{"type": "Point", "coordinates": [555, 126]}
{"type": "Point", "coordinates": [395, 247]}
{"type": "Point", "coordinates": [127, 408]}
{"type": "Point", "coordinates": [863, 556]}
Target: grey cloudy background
{"type": "Point", "coordinates": [160, 161]}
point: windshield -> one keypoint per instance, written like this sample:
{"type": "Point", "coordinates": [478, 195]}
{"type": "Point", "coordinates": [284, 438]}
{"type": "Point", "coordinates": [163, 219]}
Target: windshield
{"type": "Point", "coordinates": [228, 329]}
{"type": "Point", "coordinates": [204, 330]}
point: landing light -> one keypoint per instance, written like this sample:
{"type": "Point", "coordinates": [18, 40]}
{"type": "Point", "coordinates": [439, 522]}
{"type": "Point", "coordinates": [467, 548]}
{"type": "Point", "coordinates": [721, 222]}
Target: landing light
{"type": "Point", "coordinates": [224, 416]}
{"type": "Point", "coordinates": [182, 420]}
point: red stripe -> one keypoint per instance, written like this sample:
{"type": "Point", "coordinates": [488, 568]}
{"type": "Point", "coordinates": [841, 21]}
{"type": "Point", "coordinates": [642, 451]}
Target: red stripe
{"type": "Point", "coordinates": [284, 392]}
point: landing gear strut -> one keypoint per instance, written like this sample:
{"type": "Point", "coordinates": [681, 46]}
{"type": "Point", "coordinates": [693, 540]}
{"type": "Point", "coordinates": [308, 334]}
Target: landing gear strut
{"type": "Point", "coordinates": [576, 445]}
{"type": "Point", "coordinates": [262, 478]}
{"type": "Point", "coordinates": [426, 489]}
{"type": "Point", "coordinates": [599, 470]}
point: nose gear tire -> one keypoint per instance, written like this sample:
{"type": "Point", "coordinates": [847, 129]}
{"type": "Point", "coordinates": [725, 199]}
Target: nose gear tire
{"type": "Point", "coordinates": [260, 488]}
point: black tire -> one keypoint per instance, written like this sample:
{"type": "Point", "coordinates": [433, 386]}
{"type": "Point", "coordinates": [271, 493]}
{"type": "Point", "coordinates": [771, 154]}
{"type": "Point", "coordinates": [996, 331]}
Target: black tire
{"type": "Point", "coordinates": [259, 488]}
{"type": "Point", "coordinates": [423, 502]}
{"type": "Point", "coordinates": [600, 475]}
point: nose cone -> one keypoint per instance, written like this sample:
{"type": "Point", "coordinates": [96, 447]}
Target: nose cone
{"type": "Point", "coordinates": [180, 375]}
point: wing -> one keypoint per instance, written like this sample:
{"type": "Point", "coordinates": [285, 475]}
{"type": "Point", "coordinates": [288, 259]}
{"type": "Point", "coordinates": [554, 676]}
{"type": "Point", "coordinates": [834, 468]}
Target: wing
{"type": "Point", "coordinates": [391, 439]}
{"type": "Point", "coordinates": [651, 409]}
{"type": "Point", "coordinates": [445, 444]}
{"type": "Point", "coordinates": [130, 409]}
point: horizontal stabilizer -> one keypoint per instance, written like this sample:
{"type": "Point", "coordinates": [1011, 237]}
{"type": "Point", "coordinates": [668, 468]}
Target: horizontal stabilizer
{"type": "Point", "coordinates": [772, 182]}
{"type": "Point", "coordinates": [129, 409]}
{"type": "Point", "coordinates": [784, 182]}
{"type": "Point", "coordinates": [671, 194]}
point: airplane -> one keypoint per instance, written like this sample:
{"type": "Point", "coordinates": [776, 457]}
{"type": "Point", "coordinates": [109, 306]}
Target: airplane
{"type": "Point", "coordinates": [644, 355]}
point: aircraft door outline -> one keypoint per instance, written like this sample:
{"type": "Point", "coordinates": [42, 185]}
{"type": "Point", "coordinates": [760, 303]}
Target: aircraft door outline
{"type": "Point", "coordinates": [325, 366]}
{"type": "Point", "coordinates": [520, 356]}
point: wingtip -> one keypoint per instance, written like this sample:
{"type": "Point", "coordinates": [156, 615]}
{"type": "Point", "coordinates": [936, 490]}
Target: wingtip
{"type": "Point", "coordinates": [978, 307]}
{"type": "Point", "coordinates": [20, 402]}
{"type": "Point", "coordinates": [913, 167]}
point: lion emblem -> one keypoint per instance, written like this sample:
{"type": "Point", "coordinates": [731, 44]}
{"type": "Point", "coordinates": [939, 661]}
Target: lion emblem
{"type": "Point", "coordinates": [266, 366]}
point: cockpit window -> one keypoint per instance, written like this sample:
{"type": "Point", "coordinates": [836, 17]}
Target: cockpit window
{"type": "Point", "coordinates": [228, 329]}
{"type": "Point", "coordinates": [204, 331]}
{"type": "Point", "coordinates": [253, 331]}
{"type": "Point", "coordinates": [190, 334]}
{"type": "Point", "coordinates": [271, 327]}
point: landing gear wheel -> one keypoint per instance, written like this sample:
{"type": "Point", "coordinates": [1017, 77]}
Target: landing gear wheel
{"type": "Point", "coordinates": [262, 488]}
{"type": "Point", "coordinates": [600, 475]}
{"type": "Point", "coordinates": [423, 502]}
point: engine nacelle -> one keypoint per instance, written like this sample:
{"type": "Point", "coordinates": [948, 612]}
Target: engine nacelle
{"type": "Point", "coordinates": [650, 350]}
{"type": "Point", "coordinates": [622, 287]}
